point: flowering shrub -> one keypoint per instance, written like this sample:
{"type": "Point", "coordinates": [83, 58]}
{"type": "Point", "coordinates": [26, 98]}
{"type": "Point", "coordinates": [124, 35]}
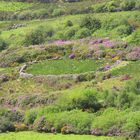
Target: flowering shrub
{"type": "Point", "coordinates": [62, 42]}
{"type": "Point", "coordinates": [96, 132]}
{"type": "Point", "coordinates": [67, 129]}
{"type": "Point", "coordinates": [39, 125]}
{"type": "Point", "coordinates": [72, 56]}
{"type": "Point", "coordinates": [134, 54]}
{"type": "Point", "coordinates": [106, 43]}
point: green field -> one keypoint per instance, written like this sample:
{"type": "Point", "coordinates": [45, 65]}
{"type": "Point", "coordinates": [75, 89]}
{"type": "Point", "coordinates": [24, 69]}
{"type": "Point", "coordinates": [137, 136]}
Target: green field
{"type": "Point", "coordinates": [13, 6]}
{"type": "Point", "coordinates": [43, 136]}
{"type": "Point", "coordinates": [64, 67]}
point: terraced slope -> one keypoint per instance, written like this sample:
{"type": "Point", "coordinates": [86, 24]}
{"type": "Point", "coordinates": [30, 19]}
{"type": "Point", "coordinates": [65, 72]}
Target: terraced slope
{"type": "Point", "coordinates": [70, 68]}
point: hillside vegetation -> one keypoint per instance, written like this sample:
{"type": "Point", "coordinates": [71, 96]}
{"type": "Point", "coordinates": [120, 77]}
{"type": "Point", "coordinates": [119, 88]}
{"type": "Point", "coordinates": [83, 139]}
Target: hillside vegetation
{"type": "Point", "coordinates": [70, 67]}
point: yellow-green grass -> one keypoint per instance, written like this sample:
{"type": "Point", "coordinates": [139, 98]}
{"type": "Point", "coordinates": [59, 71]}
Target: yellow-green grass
{"type": "Point", "coordinates": [14, 6]}
{"type": "Point", "coordinates": [110, 83]}
{"type": "Point", "coordinates": [44, 136]}
{"type": "Point", "coordinates": [132, 69]}
{"type": "Point", "coordinates": [64, 67]}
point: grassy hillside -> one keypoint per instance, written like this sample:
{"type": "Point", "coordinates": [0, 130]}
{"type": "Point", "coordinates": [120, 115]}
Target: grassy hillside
{"type": "Point", "coordinates": [36, 136]}
{"type": "Point", "coordinates": [70, 68]}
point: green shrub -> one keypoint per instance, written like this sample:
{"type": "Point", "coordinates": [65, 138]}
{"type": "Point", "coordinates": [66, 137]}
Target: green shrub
{"type": "Point", "coordinates": [82, 33]}
{"type": "Point", "coordinates": [49, 32]}
{"type": "Point", "coordinates": [58, 12]}
{"type": "Point", "coordinates": [133, 86]}
{"type": "Point", "coordinates": [70, 32]}
{"type": "Point", "coordinates": [127, 5]}
{"type": "Point", "coordinates": [109, 118]}
{"type": "Point", "coordinates": [124, 30]}
{"type": "Point", "coordinates": [69, 23]}
{"type": "Point", "coordinates": [78, 121]}
{"type": "Point", "coordinates": [123, 100]}
{"type": "Point", "coordinates": [132, 122]}
{"type": "Point", "coordinates": [90, 23]}
{"type": "Point", "coordinates": [35, 37]}
{"type": "Point", "coordinates": [110, 99]}
{"type": "Point", "coordinates": [99, 8]}
{"type": "Point", "coordinates": [111, 6]}
{"type": "Point", "coordinates": [3, 44]}
{"type": "Point", "coordinates": [25, 15]}
{"type": "Point", "coordinates": [30, 116]}
{"type": "Point", "coordinates": [87, 100]}
{"type": "Point", "coordinates": [134, 38]}
{"type": "Point", "coordinates": [114, 23]}
{"type": "Point", "coordinates": [6, 125]}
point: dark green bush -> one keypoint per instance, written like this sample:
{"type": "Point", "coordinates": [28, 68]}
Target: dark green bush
{"type": "Point", "coordinates": [78, 122]}
{"type": "Point", "coordinates": [49, 32]}
{"type": "Point", "coordinates": [109, 118]}
{"type": "Point", "coordinates": [114, 23]}
{"type": "Point", "coordinates": [87, 101]}
{"type": "Point", "coordinates": [69, 23]}
{"type": "Point", "coordinates": [134, 38]}
{"type": "Point", "coordinates": [6, 125]}
{"type": "Point", "coordinates": [123, 100]}
{"type": "Point", "coordinates": [127, 5]}
{"type": "Point", "coordinates": [82, 33]}
{"type": "Point", "coordinates": [99, 8]}
{"type": "Point", "coordinates": [90, 23]}
{"type": "Point", "coordinates": [124, 30]}
{"type": "Point", "coordinates": [35, 37]}
{"type": "Point", "coordinates": [111, 6]}
{"type": "Point", "coordinates": [70, 32]}
{"type": "Point", "coordinates": [30, 117]}
{"type": "Point", "coordinates": [3, 44]}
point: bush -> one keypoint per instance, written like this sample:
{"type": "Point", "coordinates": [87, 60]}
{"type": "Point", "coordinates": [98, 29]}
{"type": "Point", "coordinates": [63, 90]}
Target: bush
{"type": "Point", "coordinates": [114, 23]}
{"type": "Point", "coordinates": [39, 124]}
{"type": "Point", "coordinates": [132, 123]}
{"type": "Point", "coordinates": [134, 38]}
{"type": "Point", "coordinates": [111, 6]}
{"type": "Point", "coordinates": [109, 118]}
{"type": "Point", "coordinates": [75, 121]}
{"type": "Point", "coordinates": [82, 33]}
{"type": "Point", "coordinates": [127, 5]}
{"type": "Point", "coordinates": [134, 54]}
{"type": "Point", "coordinates": [90, 23]}
{"type": "Point", "coordinates": [58, 12]}
{"type": "Point", "coordinates": [3, 44]}
{"type": "Point", "coordinates": [35, 37]}
{"type": "Point", "coordinates": [6, 125]}
{"type": "Point", "coordinates": [86, 101]}
{"type": "Point", "coordinates": [49, 32]}
{"type": "Point", "coordinates": [99, 8]}
{"type": "Point", "coordinates": [30, 117]}
{"type": "Point", "coordinates": [70, 33]}
{"type": "Point", "coordinates": [69, 23]}
{"type": "Point", "coordinates": [123, 100]}
{"type": "Point", "coordinates": [124, 30]}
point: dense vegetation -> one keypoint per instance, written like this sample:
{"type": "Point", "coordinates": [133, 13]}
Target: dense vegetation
{"type": "Point", "coordinates": [70, 68]}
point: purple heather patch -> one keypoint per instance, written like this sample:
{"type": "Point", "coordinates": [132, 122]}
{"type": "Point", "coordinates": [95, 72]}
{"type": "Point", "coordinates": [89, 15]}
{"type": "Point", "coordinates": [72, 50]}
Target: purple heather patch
{"type": "Point", "coordinates": [62, 42]}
